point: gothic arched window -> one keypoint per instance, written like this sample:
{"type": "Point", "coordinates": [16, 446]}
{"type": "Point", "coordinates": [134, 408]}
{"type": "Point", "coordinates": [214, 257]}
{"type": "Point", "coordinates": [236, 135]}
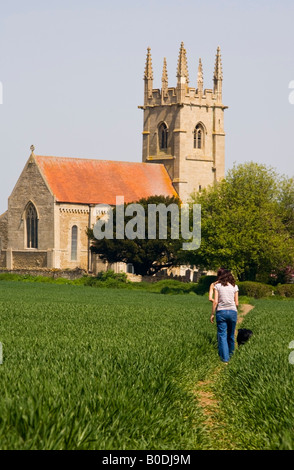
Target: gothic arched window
{"type": "Point", "coordinates": [32, 226]}
{"type": "Point", "coordinates": [74, 243]}
{"type": "Point", "coordinates": [199, 137]}
{"type": "Point", "coordinates": [162, 135]}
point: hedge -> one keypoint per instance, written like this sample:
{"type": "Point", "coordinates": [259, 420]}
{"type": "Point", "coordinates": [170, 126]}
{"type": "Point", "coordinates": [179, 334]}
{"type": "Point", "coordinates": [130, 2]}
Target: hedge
{"type": "Point", "coordinates": [285, 290]}
{"type": "Point", "coordinates": [257, 290]}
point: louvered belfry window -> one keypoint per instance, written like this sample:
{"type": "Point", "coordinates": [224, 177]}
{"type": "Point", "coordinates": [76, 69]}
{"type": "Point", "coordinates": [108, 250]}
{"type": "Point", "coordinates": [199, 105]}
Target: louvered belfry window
{"type": "Point", "coordinates": [162, 134]}
{"type": "Point", "coordinates": [198, 137]}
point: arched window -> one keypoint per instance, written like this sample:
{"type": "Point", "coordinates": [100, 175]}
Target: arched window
{"type": "Point", "coordinates": [74, 243]}
{"type": "Point", "coordinates": [32, 226]}
{"type": "Point", "coordinates": [162, 135]}
{"type": "Point", "coordinates": [199, 137]}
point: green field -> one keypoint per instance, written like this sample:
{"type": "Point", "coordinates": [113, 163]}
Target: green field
{"type": "Point", "coordinates": [95, 368]}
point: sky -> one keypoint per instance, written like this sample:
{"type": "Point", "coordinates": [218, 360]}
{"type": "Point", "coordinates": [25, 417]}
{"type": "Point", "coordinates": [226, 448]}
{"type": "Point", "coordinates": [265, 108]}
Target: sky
{"type": "Point", "coordinates": [71, 76]}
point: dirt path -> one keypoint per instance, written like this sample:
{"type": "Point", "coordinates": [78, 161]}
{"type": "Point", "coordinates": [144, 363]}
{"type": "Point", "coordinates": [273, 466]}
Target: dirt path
{"type": "Point", "coordinates": [245, 308]}
{"type": "Point", "coordinates": [205, 390]}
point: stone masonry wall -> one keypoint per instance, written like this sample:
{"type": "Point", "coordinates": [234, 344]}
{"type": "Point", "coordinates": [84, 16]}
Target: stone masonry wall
{"type": "Point", "coordinates": [70, 215]}
{"type": "Point", "coordinates": [31, 187]}
{"type": "Point", "coordinates": [3, 238]}
{"type": "Point", "coordinates": [29, 260]}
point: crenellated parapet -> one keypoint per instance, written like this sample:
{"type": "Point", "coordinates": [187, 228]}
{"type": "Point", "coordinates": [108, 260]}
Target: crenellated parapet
{"type": "Point", "coordinates": [183, 93]}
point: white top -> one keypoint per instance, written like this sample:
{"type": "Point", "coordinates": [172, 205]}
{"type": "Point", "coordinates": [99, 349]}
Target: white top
{"type": "Point", "coordinates": [226, 297]}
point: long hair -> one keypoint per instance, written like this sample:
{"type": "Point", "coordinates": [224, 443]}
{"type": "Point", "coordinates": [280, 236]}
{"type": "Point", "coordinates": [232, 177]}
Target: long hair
{"type": "Point", "coordinates": [227, 278]}
{"type": "Point", "coordinates": [221, 271]}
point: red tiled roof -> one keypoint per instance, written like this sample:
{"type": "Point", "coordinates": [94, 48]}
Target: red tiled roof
{"type": "Point", "coordinates": [83, 181]}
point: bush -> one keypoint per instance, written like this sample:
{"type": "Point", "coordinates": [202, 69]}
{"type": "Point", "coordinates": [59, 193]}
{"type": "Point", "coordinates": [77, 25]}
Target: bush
{"type": "Point", "coordinates": [106, 275]}
{"type": "Point", "coordinates": [203, 284]}
{"type": "Point", "coordinates": [181, 289]}
{"type": "Point", "coordinates": [107, 279]}
{"type": "Point", "coordinates": [285, 290]}
{"type": "Point", "coordinates": [257, 290]}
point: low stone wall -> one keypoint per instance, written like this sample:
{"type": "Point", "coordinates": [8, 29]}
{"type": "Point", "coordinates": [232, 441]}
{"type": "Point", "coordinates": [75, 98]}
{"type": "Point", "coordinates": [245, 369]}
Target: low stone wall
{"type": "Point", "coordinates": [54, 273]}
{"type": "Point", "coordinates": [2, 259]}
{"type": "Point", "coordinates": [160, 277]}
{"type": "Point", "coordinates": [27, 260]}
{"type": "Point", "coordinates": [134, 277]}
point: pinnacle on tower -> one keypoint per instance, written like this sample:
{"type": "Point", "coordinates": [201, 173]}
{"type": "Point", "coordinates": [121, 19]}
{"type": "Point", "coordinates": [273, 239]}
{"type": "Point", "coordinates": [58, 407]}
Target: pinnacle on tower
{"type": "Point", "coordinates": [218, 75]}
{"type": "Point", "coordinates": [164, 80]}
{"type": "Point", "coordinates": [200, 78]}
{"type": "Point", "coordinates": [148, 75]}
{"type": "Point", "coordinates": [182, 65]}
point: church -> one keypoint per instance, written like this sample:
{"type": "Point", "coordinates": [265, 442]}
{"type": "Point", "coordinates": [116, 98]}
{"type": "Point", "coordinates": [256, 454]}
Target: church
{"type": "Point", "coordinates": [54, 200]}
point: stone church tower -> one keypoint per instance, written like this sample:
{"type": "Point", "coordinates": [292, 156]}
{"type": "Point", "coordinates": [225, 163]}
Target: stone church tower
{"type": "Point", "coordinates": [184, 126]}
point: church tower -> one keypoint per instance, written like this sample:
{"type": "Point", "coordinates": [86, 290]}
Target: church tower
{"type": "Point", "coordinates": [184, 126]}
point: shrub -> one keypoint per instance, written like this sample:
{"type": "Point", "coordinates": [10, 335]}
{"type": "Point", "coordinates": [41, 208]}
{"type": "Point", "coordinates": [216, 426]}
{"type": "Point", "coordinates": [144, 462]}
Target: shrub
{"type": "Point", "coordinates": [285, 290]}
{"type": "Point", "coordinates": [107, 279]}
{"type": "Point", "coordinates": [203, 285]}
{"type": "Point", "coordinates": [257, 290]}
{"type": "Point", "coordinates": [106, 275]}
{"type": "Point", "coordinates": [181, 289]}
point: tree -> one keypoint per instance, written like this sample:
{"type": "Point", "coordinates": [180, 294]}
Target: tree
{"type": "Point", "coordinates": [147, 254]}
{"type": "Point", "coordinates": [242, 226]}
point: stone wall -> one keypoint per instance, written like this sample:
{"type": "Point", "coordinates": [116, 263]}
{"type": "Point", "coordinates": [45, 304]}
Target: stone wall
{"type": "Point", "coordinates": [3, 232]}
{"type": "Point", "coordinates": [54, 273]}
{"type": "Point", "coordinates": [2, 259]}
{"type": "Point", "coordinates": [3, 238]}
{"type": "Point", "coordinates": [70, 215]}
{"type": "Point", "coordinates": [29, 260]}
{"type": "Point", "coordinates": [31, 187]}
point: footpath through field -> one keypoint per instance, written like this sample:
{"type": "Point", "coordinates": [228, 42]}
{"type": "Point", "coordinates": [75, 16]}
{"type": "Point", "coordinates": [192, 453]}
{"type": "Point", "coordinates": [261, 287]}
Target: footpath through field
{"type": "Point", "coordinates": [209, 403]}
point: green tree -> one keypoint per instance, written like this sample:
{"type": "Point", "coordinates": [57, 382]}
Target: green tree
{"type": "Point", "coordinates": [242, 226]}
{"type": "Point", "coordinates": [147, 255]}
{"type": "Point", "coordinates": [286, 202]}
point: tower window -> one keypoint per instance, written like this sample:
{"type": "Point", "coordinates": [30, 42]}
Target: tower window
{"type": "Point", "coordinates": [32, 226]}
{"type": "Point", "coordinates": [198, 137]}
{"type": "Point", "coordinates": [162, 134]}
{"type": "Point", "coordinates": [74, 243]}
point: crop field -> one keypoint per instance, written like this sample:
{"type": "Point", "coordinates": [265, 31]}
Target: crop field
{"type": "Point", "coordinates": [102, 368]}
{"type": "Point", "coordinates": [257, 390]}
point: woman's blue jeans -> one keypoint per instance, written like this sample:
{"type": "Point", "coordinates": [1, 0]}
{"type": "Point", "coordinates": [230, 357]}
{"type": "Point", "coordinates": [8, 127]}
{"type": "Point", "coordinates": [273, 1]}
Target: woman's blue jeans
{"type": "Point", "coordinates": [226, 324]}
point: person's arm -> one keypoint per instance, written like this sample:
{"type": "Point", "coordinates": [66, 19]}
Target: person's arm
{"type": "Point", "coordinates": [237, 299]}
{"type": "Point", "coordinates": [214, 305]}
{"type": "Point", "coordinates": [210, 295]}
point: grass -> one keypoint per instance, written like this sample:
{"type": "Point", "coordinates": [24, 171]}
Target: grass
{"type": "Point", "coordinates": [117, 368]}
{"type": "Point", "coordinates": [256, 390]}
{"type": "Point", "coordinates": [100, 368]}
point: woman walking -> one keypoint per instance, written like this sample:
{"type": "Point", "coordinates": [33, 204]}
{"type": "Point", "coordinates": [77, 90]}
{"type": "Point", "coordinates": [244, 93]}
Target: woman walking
{"type": "Point", "coordinates": [220, 272]}
{"type": "Point", "coordinates": [224, 307]}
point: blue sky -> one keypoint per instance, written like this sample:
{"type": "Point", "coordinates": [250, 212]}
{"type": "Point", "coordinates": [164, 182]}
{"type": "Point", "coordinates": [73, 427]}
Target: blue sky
{"type": "Point", "coordinates": [72, 76]}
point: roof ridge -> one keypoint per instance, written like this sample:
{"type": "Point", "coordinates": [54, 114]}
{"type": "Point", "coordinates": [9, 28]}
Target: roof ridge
{"type": "Point", "coordinates": [91, 159]}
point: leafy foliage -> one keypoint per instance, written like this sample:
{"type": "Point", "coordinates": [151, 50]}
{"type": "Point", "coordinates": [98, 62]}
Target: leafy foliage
{"type": "Point", "coordinates": [256, 290]}
{"type": "Point", "coordinates": [147, 255]}
{"type": "Point", "coordinates": [242, 225]}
